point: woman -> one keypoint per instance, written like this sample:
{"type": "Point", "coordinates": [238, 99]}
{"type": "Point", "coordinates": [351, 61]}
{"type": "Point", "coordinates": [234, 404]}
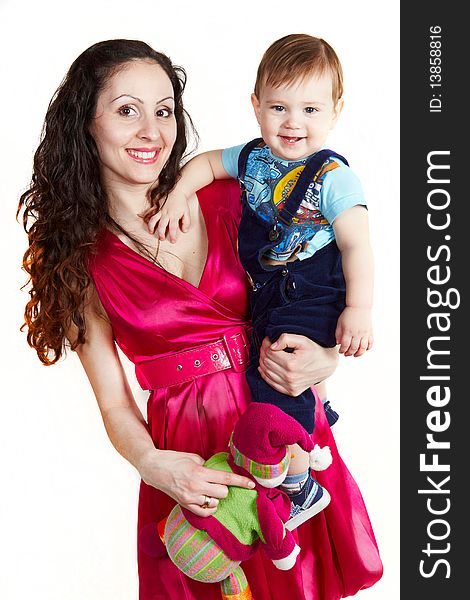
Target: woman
{"type": "Point", "coordinates": [114, 137]}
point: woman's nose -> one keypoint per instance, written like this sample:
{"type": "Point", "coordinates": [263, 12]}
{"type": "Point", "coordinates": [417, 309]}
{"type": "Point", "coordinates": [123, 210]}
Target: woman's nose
{"type": "Point", "coordinates": [149, 129]}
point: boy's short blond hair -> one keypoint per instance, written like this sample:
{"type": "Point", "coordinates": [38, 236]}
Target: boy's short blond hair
{"type": "Point", "coordinates": [297, 56]}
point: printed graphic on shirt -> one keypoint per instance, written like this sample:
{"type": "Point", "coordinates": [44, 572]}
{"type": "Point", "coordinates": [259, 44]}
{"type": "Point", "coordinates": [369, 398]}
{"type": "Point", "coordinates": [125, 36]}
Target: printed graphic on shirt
{"type": "Point", "coordinates": [269, 183]}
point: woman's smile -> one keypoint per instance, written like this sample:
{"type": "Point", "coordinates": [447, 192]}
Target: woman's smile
{"type": "Point", "coordinates": [146, 156]}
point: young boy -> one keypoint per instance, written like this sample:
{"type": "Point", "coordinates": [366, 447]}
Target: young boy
{"type": "Point", "coordinates": [303, 237]}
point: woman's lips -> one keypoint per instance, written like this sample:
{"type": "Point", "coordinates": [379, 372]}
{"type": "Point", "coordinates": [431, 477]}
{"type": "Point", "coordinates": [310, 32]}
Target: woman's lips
{"type": "Point", "coordinates": [144, 155]}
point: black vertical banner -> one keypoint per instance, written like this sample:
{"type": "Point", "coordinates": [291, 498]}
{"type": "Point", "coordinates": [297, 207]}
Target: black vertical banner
{"type": "Point", "coordinates": [435, 268]}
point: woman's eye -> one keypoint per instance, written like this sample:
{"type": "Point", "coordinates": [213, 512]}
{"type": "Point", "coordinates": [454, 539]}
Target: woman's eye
{"type": "Point", "coordinates": [126, 111]}
{"type": "Point", "coordinates": [310, 110]}
{"type": "Point", "coordinates": [164, 112]}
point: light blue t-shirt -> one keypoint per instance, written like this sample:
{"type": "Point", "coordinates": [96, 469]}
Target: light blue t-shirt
{"type": "Point", "coordinates": [268, 181]}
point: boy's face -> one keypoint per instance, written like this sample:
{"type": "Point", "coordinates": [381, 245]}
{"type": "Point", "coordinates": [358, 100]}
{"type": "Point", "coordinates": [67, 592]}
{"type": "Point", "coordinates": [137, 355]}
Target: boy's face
{"type": "Point", "coordinates": [295, 120]}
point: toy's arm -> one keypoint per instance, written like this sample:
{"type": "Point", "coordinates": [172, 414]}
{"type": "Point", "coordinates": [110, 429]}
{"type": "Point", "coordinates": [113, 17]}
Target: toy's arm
{"type": "Point", "coordinates": [284, 564]}
{"type": "Point", "coordinates": [279, 544]}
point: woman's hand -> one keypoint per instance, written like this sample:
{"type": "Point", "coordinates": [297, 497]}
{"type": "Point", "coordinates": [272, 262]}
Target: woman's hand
{"type": "Point", "coordinates": [183, 477]}
{"type": "Point", "coordinates": [293, 372]}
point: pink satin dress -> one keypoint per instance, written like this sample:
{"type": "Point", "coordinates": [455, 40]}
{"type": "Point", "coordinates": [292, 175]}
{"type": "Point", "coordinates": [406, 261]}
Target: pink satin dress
{"type": "Point", "coordinates": [154, 313]}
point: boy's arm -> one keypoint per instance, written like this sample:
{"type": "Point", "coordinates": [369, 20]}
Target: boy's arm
{"type": "Point", "coordinates": [354, 329]}
{"type": "Point", "coordinates": [201, 171]}
{"type": "Point", "coordinates": [196, 174]}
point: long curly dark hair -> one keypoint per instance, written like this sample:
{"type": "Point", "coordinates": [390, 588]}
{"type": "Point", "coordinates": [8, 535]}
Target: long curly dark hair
{"type": "Point", "coordinates": [65, 206]}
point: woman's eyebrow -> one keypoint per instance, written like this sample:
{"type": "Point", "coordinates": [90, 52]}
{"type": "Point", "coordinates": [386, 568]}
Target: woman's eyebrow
{"type": "Point", "coordinates": [140, 100]}
{"type": "Point", "coordinates": [128, 96]}
{"type": "Point", "coordinates": [166, 98]}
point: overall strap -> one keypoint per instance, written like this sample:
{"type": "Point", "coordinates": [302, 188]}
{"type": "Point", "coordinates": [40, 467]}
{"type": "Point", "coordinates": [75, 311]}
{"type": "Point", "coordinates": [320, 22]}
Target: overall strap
{"type": "Point", "coordinates": [243, 157]}
{"type": "Point", "coordinates": [312, 166]}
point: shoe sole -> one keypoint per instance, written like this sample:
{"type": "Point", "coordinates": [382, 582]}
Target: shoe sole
{"type": "Point", "coordinates": [310, 512]}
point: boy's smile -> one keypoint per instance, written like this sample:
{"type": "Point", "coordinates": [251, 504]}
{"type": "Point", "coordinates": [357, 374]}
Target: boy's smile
{"type": "Point", "coordinates": [295, 120]}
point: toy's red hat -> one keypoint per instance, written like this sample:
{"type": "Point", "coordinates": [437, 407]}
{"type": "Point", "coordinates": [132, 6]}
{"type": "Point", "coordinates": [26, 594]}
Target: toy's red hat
{"type": "Point", "coordinates": [260, 439]}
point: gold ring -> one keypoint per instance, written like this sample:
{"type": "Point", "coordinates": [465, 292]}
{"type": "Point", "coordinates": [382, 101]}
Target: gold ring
{"type": "Point", "coordinates": [207, 502]}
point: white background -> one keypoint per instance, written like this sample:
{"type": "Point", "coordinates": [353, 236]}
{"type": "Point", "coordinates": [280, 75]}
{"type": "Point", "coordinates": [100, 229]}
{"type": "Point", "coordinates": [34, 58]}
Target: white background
{"type": "Point", "coordinates": [69, 501]}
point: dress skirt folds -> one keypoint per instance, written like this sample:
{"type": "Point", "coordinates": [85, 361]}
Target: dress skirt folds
{"type": "Point", "coordinates": [154, 313]}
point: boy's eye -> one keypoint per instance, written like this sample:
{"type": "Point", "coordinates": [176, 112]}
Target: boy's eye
{"type": "Point", "coordinates": [278, 107]}
{"type": "Point", "coordinates": [311, 109]}
{"type": "Point", "coordinates": [164, 112]}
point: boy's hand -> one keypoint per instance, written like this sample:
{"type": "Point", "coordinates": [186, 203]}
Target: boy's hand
{"type": "Point", "coordinates": [354, 331]}
{"type": "Point", "coordinates": [173, 216]}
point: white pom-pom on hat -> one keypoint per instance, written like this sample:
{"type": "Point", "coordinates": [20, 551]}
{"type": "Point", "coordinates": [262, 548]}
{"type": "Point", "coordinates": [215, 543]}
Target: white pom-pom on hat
{"type": "Point", "coordinates": [320, 458]}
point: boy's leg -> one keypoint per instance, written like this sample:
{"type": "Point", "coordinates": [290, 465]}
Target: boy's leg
{"type": "Point", "coordinates": [299, 460]}
{"type": "Point", "coordinates": [321, 390]}
{"type": "Point", "coordinates": [301, 408]}
{"type": "Point", "coordinates": [307, 496]}
{"type": "Point", "coordinates": [331, 415]}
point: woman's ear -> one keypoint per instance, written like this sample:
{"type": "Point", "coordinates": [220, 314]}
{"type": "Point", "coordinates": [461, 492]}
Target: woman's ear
{"type": "Point", "coordinates": [256, 106]}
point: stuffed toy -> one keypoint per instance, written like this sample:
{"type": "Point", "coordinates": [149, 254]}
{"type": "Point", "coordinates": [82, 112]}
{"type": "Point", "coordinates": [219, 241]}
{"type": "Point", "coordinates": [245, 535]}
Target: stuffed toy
{"type": "Point", "coordinates": [210, 549]}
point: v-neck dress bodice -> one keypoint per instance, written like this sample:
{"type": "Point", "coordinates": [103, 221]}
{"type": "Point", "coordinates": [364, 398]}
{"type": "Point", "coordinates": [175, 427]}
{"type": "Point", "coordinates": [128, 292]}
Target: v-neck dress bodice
{"type": "Point", "coordinates": [154, 313]}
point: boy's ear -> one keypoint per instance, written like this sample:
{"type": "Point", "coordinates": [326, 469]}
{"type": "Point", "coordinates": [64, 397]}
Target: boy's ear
{"type": "Point", "coordinates": [337, 111]}
{"type": "Point", "coordinates": [256, 106]}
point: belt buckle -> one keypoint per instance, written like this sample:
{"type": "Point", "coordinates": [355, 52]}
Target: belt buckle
{"type": "Point", "coordinates": [236, 344]}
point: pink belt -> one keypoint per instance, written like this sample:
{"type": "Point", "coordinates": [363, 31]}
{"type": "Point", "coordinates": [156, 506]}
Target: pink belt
{"type": "Point", "coordinates": [229, 352]}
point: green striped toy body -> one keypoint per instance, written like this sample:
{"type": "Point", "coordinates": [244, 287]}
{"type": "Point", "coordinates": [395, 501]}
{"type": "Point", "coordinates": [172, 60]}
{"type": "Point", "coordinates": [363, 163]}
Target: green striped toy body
{"type": "Point", "coordinates": [194, 552]}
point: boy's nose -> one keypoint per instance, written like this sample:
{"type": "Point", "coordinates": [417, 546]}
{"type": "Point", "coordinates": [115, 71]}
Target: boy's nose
{"type": "Point", "coordinates": [291, 122]}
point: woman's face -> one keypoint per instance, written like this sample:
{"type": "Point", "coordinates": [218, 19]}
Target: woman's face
{"type": "Point", "coordinates": [134, 126]}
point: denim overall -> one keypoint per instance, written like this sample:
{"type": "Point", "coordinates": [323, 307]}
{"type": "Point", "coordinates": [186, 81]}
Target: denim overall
{"type": "Point", "coordinates": [303, 297]}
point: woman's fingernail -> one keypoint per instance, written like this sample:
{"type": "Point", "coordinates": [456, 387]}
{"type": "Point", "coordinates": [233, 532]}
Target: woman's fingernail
{"type": "Point", "coordinates": [251, 485]}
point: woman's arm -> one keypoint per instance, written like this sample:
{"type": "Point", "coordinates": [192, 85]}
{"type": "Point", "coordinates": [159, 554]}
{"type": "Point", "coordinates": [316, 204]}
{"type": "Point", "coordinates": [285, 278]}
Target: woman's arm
{"type": "Point", "coordinates": [178, 474]}
{"type": "Point", "coordinates": [293, 372]}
